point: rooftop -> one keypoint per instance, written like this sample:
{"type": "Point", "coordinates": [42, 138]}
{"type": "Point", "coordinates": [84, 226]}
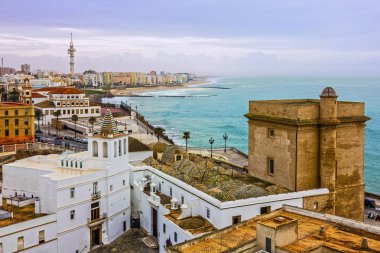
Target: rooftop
{"type": "Point", "coordinates": [195, 225]}
{"type": "Point", "coordinates": [217, 179]}
{"type": "Point", "coordinates": [13, 104]}
{"type": "Point", "coordinates": [60, 90]}
{"type": "Point", "coordinates": [20, 214]}
{"type": "Point", "coordinates": [46, 104]}
{"type": "Point", "coordinates": [339, 235]}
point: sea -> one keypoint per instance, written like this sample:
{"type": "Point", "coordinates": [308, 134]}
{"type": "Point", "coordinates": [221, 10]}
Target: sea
{"type": "Point", "coordinates": [218, 107]}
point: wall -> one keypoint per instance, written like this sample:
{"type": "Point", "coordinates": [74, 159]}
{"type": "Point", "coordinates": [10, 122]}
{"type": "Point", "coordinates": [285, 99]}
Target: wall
{"type": "Point", "coordinates": [30, 231]}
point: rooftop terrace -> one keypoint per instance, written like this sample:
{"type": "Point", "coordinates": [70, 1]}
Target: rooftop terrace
{"type": "Point", "coordinates": [339, 235]}
{"type": "Point", "coordinates": [21, 214]}
{"type": "Point", "coordinates": [217, 179]}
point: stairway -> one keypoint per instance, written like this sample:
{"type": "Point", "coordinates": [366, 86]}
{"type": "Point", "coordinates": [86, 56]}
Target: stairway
{"type": "Point", "coordinates": [151, 242]}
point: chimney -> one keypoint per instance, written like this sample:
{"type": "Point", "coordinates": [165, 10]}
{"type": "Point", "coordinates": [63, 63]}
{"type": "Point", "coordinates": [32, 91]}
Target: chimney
{"type": "Point", "coordinates": [365, 243]}
{"type": "Point", "coordinates": [322, 230]}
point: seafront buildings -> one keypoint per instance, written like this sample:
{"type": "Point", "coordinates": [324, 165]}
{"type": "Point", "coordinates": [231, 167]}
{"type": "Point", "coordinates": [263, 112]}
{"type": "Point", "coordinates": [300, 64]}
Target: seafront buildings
{"type": "Point", "coordinates": [67, 100]}
{"type": "Point", "coordinates": [307, 144]}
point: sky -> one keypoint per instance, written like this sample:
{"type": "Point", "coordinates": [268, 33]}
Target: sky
{"type": "Point", "coordinates": [207, 37]}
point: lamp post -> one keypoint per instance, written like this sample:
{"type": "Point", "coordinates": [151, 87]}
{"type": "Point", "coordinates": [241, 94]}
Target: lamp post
{"type": "Point", "coordinates": [211, 141]}
{"type": "Point", "coordinates": [137, 119]}
{"type": "Point", "coordinates": [225, 137]}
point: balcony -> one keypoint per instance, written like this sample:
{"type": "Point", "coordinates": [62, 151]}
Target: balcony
{"type": "Point", "coordinates": [96, 219]}
{"type": "Point", "coordinates": [96, 195]}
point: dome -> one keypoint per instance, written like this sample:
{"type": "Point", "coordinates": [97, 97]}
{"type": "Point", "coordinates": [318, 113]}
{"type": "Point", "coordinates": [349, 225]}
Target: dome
{"type": "Point", "coordinates": [328, 92]}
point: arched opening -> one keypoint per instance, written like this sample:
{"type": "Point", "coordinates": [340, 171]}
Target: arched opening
{"type": "Point", "coordinates": [95, 149]}
{"type": "Point", "coordinates": [105, 149]}
{"type": "Point", "coordinates": [125, 146]}
{"type": "Point", "coordinates": [115, 149]}
{"type": "Point", "coordinates": [120, 153]}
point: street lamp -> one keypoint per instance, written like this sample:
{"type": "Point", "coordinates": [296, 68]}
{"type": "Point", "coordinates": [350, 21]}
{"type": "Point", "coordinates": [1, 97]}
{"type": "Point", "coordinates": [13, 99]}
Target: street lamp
{"type": "Point", "coordinates": [137, 119]}
{"type": "Point", "coordinates": [211, 141]}
{"type": "Point", "coordinates": [225, 137]}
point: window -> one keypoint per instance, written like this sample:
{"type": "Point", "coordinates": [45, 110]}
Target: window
{"type": "Point", "coordinates": [182, 199]}
{"type": "Point", "coordinates": [265, 209]}
{"type": "Point", "coordinates": [164, 228]}
{"type": "Point", "coordinates": [16, 132]}
{"type": "Point", "coordinates": [175, 236]}
{"type": "Point", "coordinates": [208, 214]}
{"type": "Point", "coordinates": [26, 111]}
{"type": "Point", "coordinates": [236, 219]}
{"type": "Point", "coordinates": [20, 243]}
{"type": "Point", "coordinates": [16, 122]}
{"type": "Point", "coordinates": [1, 248]}
{"type": "Point", "coordinates": [268, 244]}
{"type": "Point", "coordinates": [95, 187]}
{"type": "Point", "coordinates": [111, 187]}
{"type": "Point", "coordinates": [159, 187]}
{"type": "Point", "coordinates": [72, 192]}
{"type": "Point", "coordinates": [72, 214]}
{"type": "Point", "coordinates": [315, 206]}
{"type": "Point", "coordinates": [6, 112]}
{"type": "Point", "coordinates": [6, 122]}
{"type": "Point", "coordinates": [16, 113]}
{"type": "Point", "coordinates": [178, 157]}
{"type": "Point", "coordinates": [95, 211]}
{"type": "Point", "coordinates": [41, 236]}
{"type": "Point", "coordinates": [62, 164]}
{"type": "Point", "coordinates": [171, 192]}
{"type": "Point", "coordinates": [271, 133]}
{"type": "Point", "coordinates": [270, 166]}
{"type": "Point", "coordinates": [124, 182]}
{"type": "Point", "coordinates": [26, 131]}
{"type": "Point", "coordinates": [26, 122]}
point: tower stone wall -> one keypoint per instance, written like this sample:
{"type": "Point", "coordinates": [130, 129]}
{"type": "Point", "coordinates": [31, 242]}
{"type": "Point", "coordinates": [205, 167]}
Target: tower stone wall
{"type": "Point", "coordinates": [313, 144]}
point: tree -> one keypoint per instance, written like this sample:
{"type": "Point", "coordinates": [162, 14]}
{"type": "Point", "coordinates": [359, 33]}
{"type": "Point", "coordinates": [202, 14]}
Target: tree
{"type": "Point", "coordinates": [57, 114]}
{"type": "Point", "coordinates": [159, 131]}
{"type": "Point", "coordinates": [186, 136]}
{"type": "Point", "coordinates": [38, 115]}
{"type": "Point", "coordinates": [92, 121]}
{"type": "Point", "coordinates": [14, 95]}
{"type": "Point", "coordinates": [75, 118]}
{"type": "Point", "coordinates": [2, 92]}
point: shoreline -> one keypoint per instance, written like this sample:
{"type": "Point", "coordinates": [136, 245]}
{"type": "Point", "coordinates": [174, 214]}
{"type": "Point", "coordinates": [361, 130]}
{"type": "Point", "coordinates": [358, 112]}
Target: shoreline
{"type": "Point", "coordinates": [137, 91]}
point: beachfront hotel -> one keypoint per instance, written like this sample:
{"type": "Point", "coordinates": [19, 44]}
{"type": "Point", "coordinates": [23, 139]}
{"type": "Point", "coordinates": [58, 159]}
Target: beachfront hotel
{"type": "Point", "coordinates": [305, 144]}
{"type": "Point", "coordinates": [68, 100]}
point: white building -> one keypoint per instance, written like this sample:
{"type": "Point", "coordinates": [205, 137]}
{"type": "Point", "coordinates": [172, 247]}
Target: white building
{"type": "Point", "coordinates": [93, 79]}
{"type": "Point", "coordinates": [83, 198]}
{"type": "Point", "coordinates": [171, 210]}
{"type": "Point", "coordinates": [68, 100]}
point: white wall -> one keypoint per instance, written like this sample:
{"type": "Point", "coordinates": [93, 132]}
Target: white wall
{"type": "Point", "coordinates": [30, 231]}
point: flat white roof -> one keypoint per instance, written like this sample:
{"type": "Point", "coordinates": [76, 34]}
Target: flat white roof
{"type": "Point", "coordinates": [50, 164]}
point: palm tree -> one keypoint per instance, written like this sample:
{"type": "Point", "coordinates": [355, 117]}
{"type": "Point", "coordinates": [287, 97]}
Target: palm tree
{"type": "Point", "coordinates": [92, 121]}
{"type": "Point", "coordinates": [75, 118]}
{"type": "Point", "coordinates": [159, 131]}
{"type": "Point", "coordinates": [38, 114]}
{"type": "Point", "coordinates": [186, 136]}
{"type": "Point", "coordinates": [57, 114]}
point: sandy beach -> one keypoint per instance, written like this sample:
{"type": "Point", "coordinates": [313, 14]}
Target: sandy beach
{"type": "Point", "coordinates": [138, 90]}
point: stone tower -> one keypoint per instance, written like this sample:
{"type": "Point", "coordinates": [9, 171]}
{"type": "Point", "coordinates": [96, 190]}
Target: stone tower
{"type": "Point", "coordinates": [26, 92]}
{"type": "Point", "coordinates": [305, 144]}
{"type": "Point", "coordinates": [328, 121]}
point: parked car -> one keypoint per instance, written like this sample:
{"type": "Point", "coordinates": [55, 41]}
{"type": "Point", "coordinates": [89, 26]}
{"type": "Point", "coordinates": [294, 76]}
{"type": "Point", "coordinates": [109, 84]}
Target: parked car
{"type": "Point", "coordinates": [39, 131]}
{"type": "Point", "coordinates": [369, 202]}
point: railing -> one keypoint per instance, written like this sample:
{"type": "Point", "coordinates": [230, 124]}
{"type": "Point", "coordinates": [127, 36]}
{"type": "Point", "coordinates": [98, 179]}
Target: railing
{"type": "Point", "coordinates": [100, 218]}
{"type": "Point", "coordinates": [96, 195]}
{"type": "Point", "coordinates": [29, 146]}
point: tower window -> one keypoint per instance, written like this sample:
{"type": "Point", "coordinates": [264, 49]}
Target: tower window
{"type": "Point", "coordinates": [270, 166]}
{"type": "Point", "coordinates": [271, 133]}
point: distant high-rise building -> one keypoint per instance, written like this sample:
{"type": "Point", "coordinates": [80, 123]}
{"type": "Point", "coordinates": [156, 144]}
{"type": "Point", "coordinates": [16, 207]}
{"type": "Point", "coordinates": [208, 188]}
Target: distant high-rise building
{"type": "Point", "coordinates": [25, 68]}
{"type": "Point", "coordinates": [71, 52]}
